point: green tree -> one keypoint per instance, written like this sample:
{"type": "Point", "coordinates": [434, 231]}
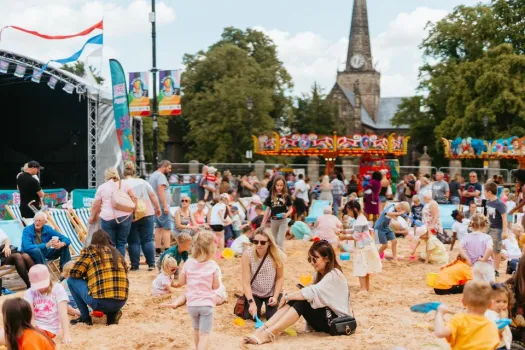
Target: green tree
{"type": "Point", "coordinates": [148, 136]}
{"type": "Point", "coordinates": [216, 85]}
{"type": "Point", "coordinates": [313, 113]}
{"type": "Point", "coordinates": [79, 69]}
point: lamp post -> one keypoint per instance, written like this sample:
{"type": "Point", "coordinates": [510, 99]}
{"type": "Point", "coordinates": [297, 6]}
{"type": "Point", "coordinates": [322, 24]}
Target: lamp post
{"type": "Point", "coordinates": [154, 71]}
{"type": "Point", "coordinates": [485, 124]}
{"type": "Point", "coordinates": [249, 107]}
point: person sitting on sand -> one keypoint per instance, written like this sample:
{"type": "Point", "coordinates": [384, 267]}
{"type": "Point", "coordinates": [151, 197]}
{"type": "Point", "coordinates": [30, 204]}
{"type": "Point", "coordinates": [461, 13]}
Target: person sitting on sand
{"type": "Point", "coordinates": [328, 226]}
{"type": "Point", "coordinates": [165, 283]}
{"type": "Point", "coordinates": [459, 227]}
{"type": "Point", "coordinates": [267, 285]}
{"type": "Point", "coordinates": [241, 243]}
{"type": "Point", "coordinates": [178, 251]}
{"type": "Point", "coordinates": [382, 226]}
{"type": "Point", "coordinates": [328, 293]}
{"type": "Point", "coordinates": [451, 279]}
{"type": "Point", "coordinates": [99, 279]}
{"type": "Point", "coordinates": [435, 252]}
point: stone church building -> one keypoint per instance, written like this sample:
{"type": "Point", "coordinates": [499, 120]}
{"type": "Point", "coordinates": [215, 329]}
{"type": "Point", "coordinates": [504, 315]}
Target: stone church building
{"type": "Point", "coordinates": [357, 92]}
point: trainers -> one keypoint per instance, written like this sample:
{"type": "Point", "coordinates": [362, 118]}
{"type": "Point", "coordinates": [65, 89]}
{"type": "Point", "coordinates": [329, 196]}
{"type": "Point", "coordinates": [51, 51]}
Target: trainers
{"type": "Point", "coordinates": [113, 317]}
{"type": "Point", "coordinates": [151, 267]}
{"type": "Point", "coordinates": [134, 268]}
{"type": "Point", "coordinates": [496, 273]}
{"type": "Point", "coordinates": [87, 321]}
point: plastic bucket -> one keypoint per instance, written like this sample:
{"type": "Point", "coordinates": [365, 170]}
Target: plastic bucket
{"type": "Point", "coordinates": [431, 279]}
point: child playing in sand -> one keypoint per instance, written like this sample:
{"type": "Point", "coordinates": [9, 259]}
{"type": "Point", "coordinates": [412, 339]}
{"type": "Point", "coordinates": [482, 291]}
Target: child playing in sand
{"type": "Point", "coordinates": [259, 216]}
{"type": "Point", "coordinates": [470, 330]}
{"type": "Point", "coordinates": [451, 279]}
{"type": "Point", "coordinates": [201, 274]}
{"type": "Point", "coordinates": [366, 258]}
{"type": "Point", "coordinates": [72, 308]}
{"type": "Point", "coordinates": [435, 251]}
{"type": "Point", "coordinates": [476, 248]}
{"type": "Point", "coordinates": [165, 281]}
{"type": "Point", "coordinates": [49, 302]}
{"type": "Point", "coordinates": [211, 182]}
{"type": "Point", "coordinates": [399, 226]}
{"type": "Point", "coordinates": [382, 226]}
{"type": "Point", "coordinates": [19, 332]}
{"type": "Point", "coordinates": [179, 251]}
{"type": "Point", "coordinates": [502, 301]}
{"type": "Point", "coordinates": [460, 227]}
{"type": "Point", "coordinates": [240, 243]}
{"type": "Point", "coordinates": [512, 252]}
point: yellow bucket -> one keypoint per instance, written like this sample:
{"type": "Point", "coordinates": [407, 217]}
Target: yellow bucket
{"type": "Point", "coordinates": [431, 279]}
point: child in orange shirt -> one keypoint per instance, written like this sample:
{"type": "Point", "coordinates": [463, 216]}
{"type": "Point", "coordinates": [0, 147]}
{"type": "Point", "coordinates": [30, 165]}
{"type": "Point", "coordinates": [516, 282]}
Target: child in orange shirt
{"type": "Point", "coordinates": [18, 330]}
{"type": "Point", "coordinates": [470, 330]}
{"type": "Point", "coordinates": [452, 278]}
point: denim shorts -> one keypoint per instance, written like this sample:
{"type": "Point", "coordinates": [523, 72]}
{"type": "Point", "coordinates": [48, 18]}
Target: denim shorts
{"type": "Point", "coordinates": [202, 318]}
{"type": "Point", "coordinates": [382, 199]}
{"type": "Point", "coordinates": [385, 235]}
{"type": "Point", "coordinates": [497, 238]}
{"type": "Point", "coordinates": [163, 221]}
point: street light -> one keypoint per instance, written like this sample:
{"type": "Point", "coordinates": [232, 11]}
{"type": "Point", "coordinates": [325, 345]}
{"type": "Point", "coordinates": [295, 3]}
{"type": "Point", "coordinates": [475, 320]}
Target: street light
{"type": "Point", "coordinates": [249, 106]}
{"type": "Point", "coordinates": [154, 71]}
{"type": "Point", "coordinates": [485, 122]}
{"type": "Point", "coordinates": [249, 103]}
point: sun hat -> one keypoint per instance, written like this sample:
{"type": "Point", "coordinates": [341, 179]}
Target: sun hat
{"type": "Point", "coordinates": [420, 231]}
{"type": "Point", "coordinates": [39, 277]}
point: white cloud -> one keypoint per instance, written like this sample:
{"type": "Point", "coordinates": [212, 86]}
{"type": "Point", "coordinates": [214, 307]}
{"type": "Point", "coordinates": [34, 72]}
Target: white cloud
{"type": "Point", "coordinates": [309, 57]}
{"type": "Point", "coordinates": [122, 24]}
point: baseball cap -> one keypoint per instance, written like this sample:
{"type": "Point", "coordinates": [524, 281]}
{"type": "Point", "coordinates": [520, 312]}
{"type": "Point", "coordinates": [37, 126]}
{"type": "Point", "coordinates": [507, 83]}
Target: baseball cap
{"type": "Point", "coordinates": [33, 164]}
{"type": "Point", "coordinates": [39, 277]}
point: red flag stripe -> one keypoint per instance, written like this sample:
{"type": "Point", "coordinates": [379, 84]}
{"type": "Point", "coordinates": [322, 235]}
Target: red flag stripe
{"type": "Point", "coordinates": [99, 25]}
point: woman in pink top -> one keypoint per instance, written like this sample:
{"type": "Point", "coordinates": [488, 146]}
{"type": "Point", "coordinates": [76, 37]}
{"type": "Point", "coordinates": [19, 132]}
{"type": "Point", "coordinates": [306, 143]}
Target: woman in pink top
{"type": "Point", "coordinates": [327, 226]}
{"type": "Point", "coordinates": [115, 223]}
{"type": "Point", "coordinates": [201, 274]}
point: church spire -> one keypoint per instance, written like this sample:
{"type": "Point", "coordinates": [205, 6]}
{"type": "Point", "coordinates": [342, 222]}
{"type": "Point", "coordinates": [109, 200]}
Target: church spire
{"type": "Point", "coordinates": [359, 51]}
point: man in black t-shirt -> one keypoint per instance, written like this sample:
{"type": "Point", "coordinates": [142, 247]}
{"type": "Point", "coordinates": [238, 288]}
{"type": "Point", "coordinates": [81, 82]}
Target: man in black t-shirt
{"type": "Point", "coordinates": [472, 188]}
{"type": "Point", "coordinates": [29, 189]}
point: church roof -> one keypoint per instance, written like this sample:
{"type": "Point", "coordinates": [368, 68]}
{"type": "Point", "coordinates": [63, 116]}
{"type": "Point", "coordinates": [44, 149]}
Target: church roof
{"type": "Point", "coordinates": [387, 110]}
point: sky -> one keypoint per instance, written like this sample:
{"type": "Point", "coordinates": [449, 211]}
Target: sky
{"type": "Point", "coordinates": [311, 36]}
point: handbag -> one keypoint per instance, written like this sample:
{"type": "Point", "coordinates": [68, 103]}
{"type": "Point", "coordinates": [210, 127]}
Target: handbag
{"type": "Point", "coordinates": [238, 309]}
{"type": "Point", "coordinates": [140, 210]}
{"type": "Point", "coordinates": [343, 325]}
{"type": "Point", "coordinates": [122, 201]}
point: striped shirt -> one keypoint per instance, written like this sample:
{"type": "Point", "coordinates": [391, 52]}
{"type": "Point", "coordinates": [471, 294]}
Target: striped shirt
{"type": "Point", "coordinates": [103, 281]}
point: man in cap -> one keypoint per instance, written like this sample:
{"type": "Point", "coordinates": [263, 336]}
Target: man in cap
{"type": "Point", "coordinates": [29, 189]}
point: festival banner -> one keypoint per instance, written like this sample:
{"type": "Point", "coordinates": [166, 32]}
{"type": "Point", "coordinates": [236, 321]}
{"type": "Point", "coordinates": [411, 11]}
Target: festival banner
{"type": "Point", "coordinates": [69, 88]}
{"type": "Point", "coordinates": [20, 71]}
{"type": "Point", "coordinates": [169, 92]}
{"type": "Point", "coordinates": [52, 82]}
{"type": "Point", "coordinates": [36, 76]}
{"type": "Point", "coordinates": [121, 111]}
{"type": "Point", "coordinates": [4, 66]}
{"type": "Point", "coordinates": [99, 25]}
{"type": "Point", "coordinates": [138, 97]}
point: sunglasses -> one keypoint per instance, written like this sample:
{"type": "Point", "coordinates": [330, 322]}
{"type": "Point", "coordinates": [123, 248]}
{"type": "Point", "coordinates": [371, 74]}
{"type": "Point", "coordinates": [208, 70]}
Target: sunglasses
{"type": "Point", "coordinates": [313, 259]}
{"type": "Point", "coordinates": [185, 200]}
{"type": "Point", "coordinates": [257, 242]}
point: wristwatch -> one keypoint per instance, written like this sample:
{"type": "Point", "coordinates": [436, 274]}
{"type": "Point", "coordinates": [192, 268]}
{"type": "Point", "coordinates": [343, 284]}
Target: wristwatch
{"type": "Point", "coordinates": [250, 301]}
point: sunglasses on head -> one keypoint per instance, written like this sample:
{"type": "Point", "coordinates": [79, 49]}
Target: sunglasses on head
{"type": "Point", "coordinates": [257, 242]}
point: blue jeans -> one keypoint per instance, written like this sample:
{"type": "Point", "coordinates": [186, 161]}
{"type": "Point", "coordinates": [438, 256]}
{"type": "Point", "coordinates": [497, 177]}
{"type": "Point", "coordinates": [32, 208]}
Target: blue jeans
{"type": "Point", "coordinates": [455, 200]}
{"type": "Point", "coordinates": [336, 203]}
{"type": "Point", "coordinates": [141, 235]}
{"type": "Point", "coordinates": [41, 255]}
{"type": "Point", "coordinates": [118, 232]}
{"type": "Point", "coordinates": [80, 292]}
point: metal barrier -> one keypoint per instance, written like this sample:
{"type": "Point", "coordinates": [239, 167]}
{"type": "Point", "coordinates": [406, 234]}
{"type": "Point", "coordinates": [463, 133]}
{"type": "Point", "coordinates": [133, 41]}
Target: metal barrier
{"type": "Point", "coordinates": [483, 173]}
{"type": "Point", "coordinates": [406, 170]}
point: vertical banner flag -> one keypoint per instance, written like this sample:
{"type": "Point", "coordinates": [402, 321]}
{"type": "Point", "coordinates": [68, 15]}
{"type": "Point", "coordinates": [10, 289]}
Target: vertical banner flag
{"type": "Point", "coordinates": [36, 76]}
{"type": "Point", "coordinates": [121, 111]}
{"type": "Point", "coordinates": [20, 71]}
{"type": "Point", "coordinates": [138, 97]}
{"type": "Point", "coordinates": [52, 82]}
{"type": "Point", "coordinates": [169, 92]}
{"type": "Point", "coordinates": [4, 66]}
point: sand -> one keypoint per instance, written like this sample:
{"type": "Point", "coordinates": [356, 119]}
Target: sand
{"type": "Point", "coordinates": [383, 316]}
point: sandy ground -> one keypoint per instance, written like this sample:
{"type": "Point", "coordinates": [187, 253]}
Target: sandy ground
{"type": "Point", "coordinates": [383, 315]}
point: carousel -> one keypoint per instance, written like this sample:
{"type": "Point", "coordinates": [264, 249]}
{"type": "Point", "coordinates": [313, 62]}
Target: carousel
{"type": "Point", "coordinates": [374, 151]}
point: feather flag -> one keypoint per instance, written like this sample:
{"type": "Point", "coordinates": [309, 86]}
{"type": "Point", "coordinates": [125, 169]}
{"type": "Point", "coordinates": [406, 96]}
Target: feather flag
{"type": "Point", "coordinates": [99, 25]}
{"type": "Point", "coordinates": [97, 40]}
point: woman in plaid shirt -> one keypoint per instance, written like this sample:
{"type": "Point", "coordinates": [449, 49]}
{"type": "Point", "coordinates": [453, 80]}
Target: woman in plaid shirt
{"type": "Point", "coordinates": [99, 279]}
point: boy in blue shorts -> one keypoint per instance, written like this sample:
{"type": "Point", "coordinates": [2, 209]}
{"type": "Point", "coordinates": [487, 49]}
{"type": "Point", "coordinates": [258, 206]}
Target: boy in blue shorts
{"type": "Point", "coordinates": [383, 230]}
{"type": "Point", "coordinates": [179, 251]}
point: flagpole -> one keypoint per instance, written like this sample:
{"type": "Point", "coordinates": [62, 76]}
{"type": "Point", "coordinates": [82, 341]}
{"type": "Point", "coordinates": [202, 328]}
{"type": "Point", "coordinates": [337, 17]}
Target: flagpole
{"type": "Point", "coordinates": [154, 73]}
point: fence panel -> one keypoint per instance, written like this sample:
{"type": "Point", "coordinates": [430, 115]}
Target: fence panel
{"type": "Point", "coordinates": [483, 173]}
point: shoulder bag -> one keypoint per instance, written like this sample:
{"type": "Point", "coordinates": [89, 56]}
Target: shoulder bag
{"type": "Point", "coordinates": [122, 201]}
{"type": "Point", "coordinates": [344, 325]}
{"type": "Point", "coordinates": [238, 310]}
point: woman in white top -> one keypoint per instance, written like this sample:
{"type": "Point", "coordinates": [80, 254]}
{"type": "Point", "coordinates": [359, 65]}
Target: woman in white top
{"type": "Point", "coordinates": [328, 294]}
{"type": "Point", "coordinates": [219, 218]}
{"type": "Point", "coordinates": [143, 225]}
{"type": "Point", "coordinates": [116, 223]}
{"type": "Point", "coordinates": [266, 287]}
{"type": "Point", "coordinates": [431, 217]}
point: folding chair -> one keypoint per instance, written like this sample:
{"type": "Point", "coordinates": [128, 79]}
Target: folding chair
{"type": "Point", "coordinates": [14, 232]}
{"type": "Point", "coordinates": [14, 211]}
{"type": "Point", "coordinates": [63, 225]}
{"type": "Point", "coordinates": [81, 215]}
{"type": "Point", "coordinates": [316, 209]}
{"type": "Point", "coordinates": [78, 225]}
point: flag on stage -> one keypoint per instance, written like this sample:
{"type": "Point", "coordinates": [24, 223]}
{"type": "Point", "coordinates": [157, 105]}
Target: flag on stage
{"type": "Point", "coordinates": [4, 66]}
{"type": "Point", "coordinates": [20, 71]}
{"type": "Point", "coordinates": [36, 76]}
{"type": "Point", "coordinates": [52, 82]}
{"type": "Point", "coordinates": [69, 88]}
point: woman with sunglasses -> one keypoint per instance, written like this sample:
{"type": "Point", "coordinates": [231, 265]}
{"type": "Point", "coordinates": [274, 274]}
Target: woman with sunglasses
{"type": "Point", "coordinates": [183, 217]}
{"type": "Point", "coordinates": [265, 257]}
{"type": "Point", "coordinates": [328, 295]}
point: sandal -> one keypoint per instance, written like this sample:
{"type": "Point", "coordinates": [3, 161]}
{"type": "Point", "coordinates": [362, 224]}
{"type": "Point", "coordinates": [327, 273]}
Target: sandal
{"type": "Point", "coordinates": [252, 339]}
{"type": "Point", "coordinates": [270, 334]}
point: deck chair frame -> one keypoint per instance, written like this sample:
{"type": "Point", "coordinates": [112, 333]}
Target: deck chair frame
{"type": "Point", "coordinates": [16, 217]}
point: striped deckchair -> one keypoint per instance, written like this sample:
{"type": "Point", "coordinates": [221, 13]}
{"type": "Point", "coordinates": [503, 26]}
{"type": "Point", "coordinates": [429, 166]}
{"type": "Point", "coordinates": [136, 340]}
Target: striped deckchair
{"type": "Point", "coordinates": [60, 219]}
{"type": "Point", "coordinates": [81, 215]}
{"type": "Point", "coordinates": [14, 211]}
{"type": "Point", "coordinates": [316, 209]}
{"type": "Point", "coordinates": [13, 231]}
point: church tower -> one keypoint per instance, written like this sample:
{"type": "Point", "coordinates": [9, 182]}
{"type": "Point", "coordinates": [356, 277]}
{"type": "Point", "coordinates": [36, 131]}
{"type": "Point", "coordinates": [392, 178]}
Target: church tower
{"type": "Point", "coordinates": [359, 62]}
